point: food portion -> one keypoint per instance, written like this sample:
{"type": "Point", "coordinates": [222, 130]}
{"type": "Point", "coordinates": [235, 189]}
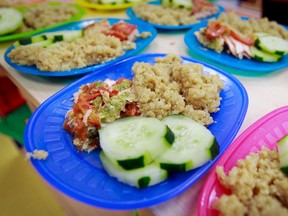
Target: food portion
{"type": "Point", "coordinates": [145, 151]}
{"type": "Point", "coordinates": [171, 87]}
{"type": "Point", "coordinates": [96, 104]}
{"type": "Point", "coordinates": [165, 88]}
{"type": "Point", "coordinates": [35, 17]}
{"type": "Point", "coordinates": [137, 144]}
{"type": "Point", "coordinates": [261, 39]}
{"type": "Point", "coordinates": [283, 154]}
{"type": "Point", "coordinates": [193, 146]}
{"type": "Point", "coordinates": [10, 20]}
{"type": "Point", "coordinates": [135, 141]}
{"type": "Point", "coordinates": [255, 186]}
{"type": "Point", "coordinates": [96, 43]}
{"type": "Point", "coordinates": [113, 2]}
{"type": "Point", "coordinates": [175, 12]}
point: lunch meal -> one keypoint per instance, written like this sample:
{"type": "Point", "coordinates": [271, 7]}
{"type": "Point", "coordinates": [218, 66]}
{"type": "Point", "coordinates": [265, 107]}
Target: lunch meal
{"type": "Point", "coordinates": [36, 17]}
{"type": "Point", "coordinates": [258, 39]}
{"type": "Point", "coordinates": [257, 185]}
{"type": "Point", "coordinates": [150, 126]}
{"type": "Point", "coordinates": [96, 43]}
{"type": "Point", "coordinates": [113, 2]}
{"type": "Point", "coordinates": [175, 12]}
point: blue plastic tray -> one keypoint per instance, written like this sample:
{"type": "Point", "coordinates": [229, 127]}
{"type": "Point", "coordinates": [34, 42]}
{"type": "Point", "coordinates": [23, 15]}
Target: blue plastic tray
{"type": "Point", "coordinates": [229, 60]}
{"type": "Point", "coordinates": [141, 43]}
{"type": "Point", "coordinates": [80, 175]}
{"type": "Point", "coordinates": [133, 16]}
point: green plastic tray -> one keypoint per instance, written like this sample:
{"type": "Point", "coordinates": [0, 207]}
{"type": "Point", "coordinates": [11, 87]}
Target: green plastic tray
{"type": "Point", "coordinates": [24, 8]}
{"type": "Point", "coordinates": [13, 125]}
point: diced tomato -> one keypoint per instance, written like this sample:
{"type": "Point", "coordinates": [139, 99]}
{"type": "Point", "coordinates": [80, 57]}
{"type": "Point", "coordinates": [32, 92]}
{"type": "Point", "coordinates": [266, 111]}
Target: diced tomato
{"type": "Point", "coordinates": [67, 127]}
{"type": "Point", "coordinates": [124, 27]}
{"type": "Point", "coordinates": [113, 93]}
{"type": "Point", "coordinates": [119, 80]}
{"type": "Point", "coordinates": [131, 110]}
{"type": "Point", "coordinates": [117, 34]}
{"type": "Point", "coordinates": [94, 120]}
{"type": "Point", "coordinates": [215, 29]}
{"type": "Point", "coordinates": [92, 96]}
{"type": "Point", "coordinates": [80, 130]}
{"type": "Point", "coordinates": [81, 106]}
{"type": "Point", "coordinates": [238, 36]}
{"type": "Point", "coordinates": [94, 144]}
{"type": "Point", "coordinates": [121, 30]}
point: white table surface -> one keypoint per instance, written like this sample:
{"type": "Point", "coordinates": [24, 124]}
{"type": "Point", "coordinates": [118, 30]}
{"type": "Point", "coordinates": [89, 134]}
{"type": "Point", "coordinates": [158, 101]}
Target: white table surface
{"type": "Point", "coordinates": [265, 93]}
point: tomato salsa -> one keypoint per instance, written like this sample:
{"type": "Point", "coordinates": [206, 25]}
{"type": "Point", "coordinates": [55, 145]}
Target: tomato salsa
{"type": "Point", "coordinates": [95, 104]}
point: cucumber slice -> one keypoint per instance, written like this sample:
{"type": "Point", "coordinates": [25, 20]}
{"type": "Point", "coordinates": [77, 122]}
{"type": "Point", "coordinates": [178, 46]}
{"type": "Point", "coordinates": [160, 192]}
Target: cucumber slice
{"type": "Point", "coordinates": [135, 141]}
{"type": "Point", "coordinates": [264, 56]}
{"type": "Point", "coordinates": [194, 145]}
{"type": "Point", "coordinates": [272, 44]}
{"type": "Point", "coordinates": [182, 4]}
{"type": "Point", "coordinates": [30, 40]}
{"type": "Point", "coordinates": [44, 43]}
{"type": "Point", "coordinates": [166, 3]}
{"type": "Point", "coordinates": [261, 34]}
{"type": "Point", "coordinates": [10, 20]}
{"type": "Point", "coordinates": [112, 1]}
{"type": "Point", "coordinates": [134, 1]}
{"type": "Point", "coordinates": [283, 154]}
{"type": "Point", "coordinates": [142, 177]}
{"type": "Point", "coordinates": [67, 35]}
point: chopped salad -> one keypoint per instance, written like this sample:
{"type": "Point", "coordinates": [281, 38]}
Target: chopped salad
{"type": "Point", "coordinates": [95, 104]}
{"type": "Point", "coordinates": [261, 40]}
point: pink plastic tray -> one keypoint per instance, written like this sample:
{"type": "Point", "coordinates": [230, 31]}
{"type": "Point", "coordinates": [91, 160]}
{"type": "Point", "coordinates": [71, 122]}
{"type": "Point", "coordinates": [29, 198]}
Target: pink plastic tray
{"type": "Point", "coordinates": [263, 133]}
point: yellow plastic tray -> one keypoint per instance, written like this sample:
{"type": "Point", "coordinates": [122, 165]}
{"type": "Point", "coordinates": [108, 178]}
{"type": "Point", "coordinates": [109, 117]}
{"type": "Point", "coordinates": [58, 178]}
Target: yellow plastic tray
{"type": "Point", "coordinates": [86, 4]}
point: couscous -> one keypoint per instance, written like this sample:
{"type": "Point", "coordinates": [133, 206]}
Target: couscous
{"type": "Point", "coordinates": [171, 87]}
{"type": "Point", "coordinates": [98, 45]}
{"type": "Point", "coordinates": [44, 15]}
{"type": "Point", "coordinates": [257, 185]}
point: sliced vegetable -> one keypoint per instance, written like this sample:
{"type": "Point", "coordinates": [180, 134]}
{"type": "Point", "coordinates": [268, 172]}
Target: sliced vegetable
{"type": "Point", "coordinates": [193, 146]}
{"type": "Point", "coordinates": [10, 20]}
{"type": "Point", "coordinates": [248, 40]}
{"type": "Point", "coordinates": [30, 40]}
{"type": "Point", "coordinates": [283, 154]}
{"type": "Point", "coordinates": [142, 177]}
{"type": "Point", "coordinates": [264, 56]}
{"type": "Point", "coordinates": [112, 1]}
{"type": "Point", "coordinates": [67, 35]}
{"type": "Point", "coordinates": [134, 1]}
{"type": "Point", "coordinates": [122, 30]}
{"type": "Point", "coordinates": [272, 44]}
{"type": "Point", "coordinates": [215, 29]}
{"type": "Point", "coordinates": [166, 3]}
{"type": "Point", "coordinates": [182, 4]}
{"type": "Point", "coordinates": [135, 141]}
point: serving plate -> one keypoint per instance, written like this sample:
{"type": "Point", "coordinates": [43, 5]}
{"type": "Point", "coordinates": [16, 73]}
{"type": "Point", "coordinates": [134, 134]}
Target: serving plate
{"type": "Point", "coordinates": [263, 133]}
{"type": "Point", "coordinates": [229, 60]}
{"type": "Point", "coordinates": [80, 175]}
{"type": "Point", "coordinates": [86, 4]}
{"type": "Point", "coordinates": [141, 44]}
{"type": "Point", "coordinates": [130, 13]}
{"type": "Point", "coordinates": [24, 8]}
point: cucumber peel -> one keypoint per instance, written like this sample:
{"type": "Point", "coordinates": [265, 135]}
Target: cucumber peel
{"type": "Point", "coordinates": [11, 20]}
{"type": "Point", "coordinates": [66, 35]}
{"type": "Point", "coordinates": [135, 141]}
{"type": "Point", "coordinates": [194, 145]}
{"type": "Point", "coordinates": [263, 55]}
{"type": "Point", "coordinates": [271, 44]}
{"type": "Point", "coordinates": [283, 154]}
{"type": "Point", "coordinates": [141, 177]}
